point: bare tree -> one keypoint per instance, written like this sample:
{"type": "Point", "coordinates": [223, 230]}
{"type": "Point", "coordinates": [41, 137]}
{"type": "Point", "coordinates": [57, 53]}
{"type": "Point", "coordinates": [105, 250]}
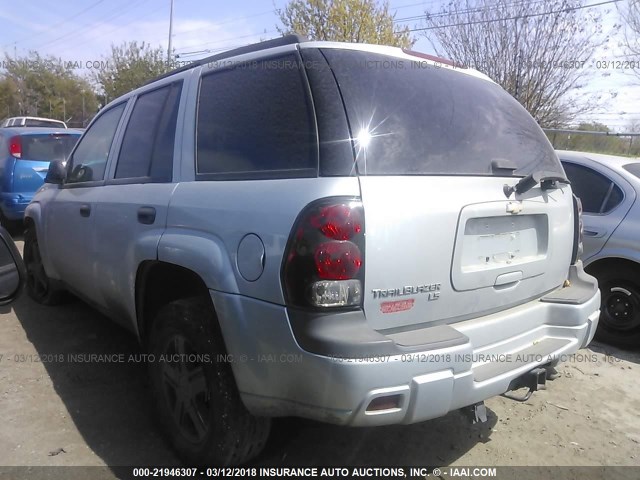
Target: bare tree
{"type": "Point", "coordinates": [360, 21]}
{"type": "Point", "coordinates": [130, 65]}
{"type": "Point", "coordinates": [630, 13]}
{"type": "Point", "coordinates": [537, 51]}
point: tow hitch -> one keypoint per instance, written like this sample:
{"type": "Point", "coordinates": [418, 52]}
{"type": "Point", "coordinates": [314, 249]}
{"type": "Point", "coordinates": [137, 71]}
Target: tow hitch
{"type": "Point", "coordinates": [531, 380]}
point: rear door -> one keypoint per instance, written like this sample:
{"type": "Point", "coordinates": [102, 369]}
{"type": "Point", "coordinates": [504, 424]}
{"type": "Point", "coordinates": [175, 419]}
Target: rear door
{"type": "Point", "coordinates": [605, 203]}
{"type": "Point", "coordinates": [131, 214]}
{"type": "Point", "coordinates": [434, 149]}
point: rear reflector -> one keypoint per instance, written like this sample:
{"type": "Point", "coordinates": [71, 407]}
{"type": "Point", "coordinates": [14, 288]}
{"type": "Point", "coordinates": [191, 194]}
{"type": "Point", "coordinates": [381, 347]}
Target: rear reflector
{"type": "Point", "coordinates": [389, 402]}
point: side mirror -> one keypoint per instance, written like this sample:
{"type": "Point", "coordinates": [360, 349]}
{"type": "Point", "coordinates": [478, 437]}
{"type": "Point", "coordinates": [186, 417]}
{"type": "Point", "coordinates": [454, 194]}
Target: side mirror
{"type": "Point", "coordinates": [12, 270]}
{"type": "Point", "coordinates": [56, 173]}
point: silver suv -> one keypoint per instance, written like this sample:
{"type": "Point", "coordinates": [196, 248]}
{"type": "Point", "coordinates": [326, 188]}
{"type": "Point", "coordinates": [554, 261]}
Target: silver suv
{"type": "Point", "coordinates": [355, 234]}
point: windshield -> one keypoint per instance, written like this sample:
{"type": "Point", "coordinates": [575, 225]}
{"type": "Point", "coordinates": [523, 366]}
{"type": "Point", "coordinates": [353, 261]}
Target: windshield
{"type": "Point", "coordinates": [48, 147]}
{"type": "Point", "coordinates": [633, 168]}
{"type": "Point", "coordinates": [410, 118]}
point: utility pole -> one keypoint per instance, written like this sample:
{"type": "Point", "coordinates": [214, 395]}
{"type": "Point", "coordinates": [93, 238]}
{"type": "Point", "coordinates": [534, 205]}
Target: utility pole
{"type": "Point", "coordinates": [517, 59]}
{"type": "Point", "coordinates": [170, 32]}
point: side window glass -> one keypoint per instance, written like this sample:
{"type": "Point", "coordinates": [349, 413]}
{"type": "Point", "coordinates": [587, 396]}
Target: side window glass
{"type": "Point", "coordinates": [597, 193]}
{"type": "Point", "coordinates": [147, 146]}
{"type": "Point", "coordinates": [615, 198]}
{"type": "Point", "coordinates": [89, 160]}
{"type": "Point", "coordinates": [255, 118]}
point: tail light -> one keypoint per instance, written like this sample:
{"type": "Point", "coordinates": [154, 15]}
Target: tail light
{"type": "Point", "coordinates": [578, 230]}
{"type": "Point", "coordinates": [324, 261]}
{"type": "Point", "coordinates": [15, 146]}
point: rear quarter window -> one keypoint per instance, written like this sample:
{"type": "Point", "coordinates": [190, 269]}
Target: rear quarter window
{"type": "Point", "coordinates": [597, 193]}
{"type": "Point", "coordinates": [633, 168]}
{"type": "Point", "coordinates": [256, 121]}
{"type": "Point", "coordinates": [409, 118]}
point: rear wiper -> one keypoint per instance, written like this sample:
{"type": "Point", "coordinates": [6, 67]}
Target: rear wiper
{"type": "Point", "coordinates": [547, 181]}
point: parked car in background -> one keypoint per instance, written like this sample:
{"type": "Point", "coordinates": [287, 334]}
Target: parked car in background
{"type": "Point", "coordinates": [25, 154]}
{"type": "Point", "coordinates": [296, 229]}
{"type": "Point", "coordinates": [32, 122]}
{"type": "Point", "coordinates": [608, 187]}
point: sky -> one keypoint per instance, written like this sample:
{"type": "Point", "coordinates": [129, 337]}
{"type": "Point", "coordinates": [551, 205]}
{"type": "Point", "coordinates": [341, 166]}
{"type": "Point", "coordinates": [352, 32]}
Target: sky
{"type": "Point", "coordinates": [81, 32]}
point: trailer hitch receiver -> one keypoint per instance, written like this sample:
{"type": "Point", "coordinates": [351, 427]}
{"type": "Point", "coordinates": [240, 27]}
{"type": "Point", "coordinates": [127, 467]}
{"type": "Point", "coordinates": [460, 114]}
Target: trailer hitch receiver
{"type": "Point", "coordinates": [531, 380]}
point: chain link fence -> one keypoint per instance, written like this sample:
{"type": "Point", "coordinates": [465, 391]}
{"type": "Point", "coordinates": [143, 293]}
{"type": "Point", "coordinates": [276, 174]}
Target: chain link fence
{"type": "Point", "coordinates": [611, 143]}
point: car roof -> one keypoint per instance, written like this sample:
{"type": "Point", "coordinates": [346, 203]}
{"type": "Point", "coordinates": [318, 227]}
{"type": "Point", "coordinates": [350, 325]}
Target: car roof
{"type": "Point", "coordinates": [399, 53]}
{"type": "Point", "coordinates": [28, 117]}
{"type": "Point", "coordinates": [614, 162]}
{"type": "Point", "coordinates": [11, 131]}
{"type": "Point", "coordinates": [611, 160]}
{"type": "Point", "coordinates": [304, 43]}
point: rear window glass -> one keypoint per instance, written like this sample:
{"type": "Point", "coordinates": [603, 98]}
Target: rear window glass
{"type": "Point", "coordinates": [409, 118]}
{"type": "Point", "coordinates": [48, 147]}
{"type": "Point", "coordinates": [33, 122]}
{"type": "Point", "coordinates": [633, 168]}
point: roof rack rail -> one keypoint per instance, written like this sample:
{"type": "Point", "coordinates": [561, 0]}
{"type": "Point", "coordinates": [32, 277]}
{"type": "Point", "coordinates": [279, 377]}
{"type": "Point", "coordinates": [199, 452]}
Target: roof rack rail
{"type": "Point", "coordinates": [254, 47]}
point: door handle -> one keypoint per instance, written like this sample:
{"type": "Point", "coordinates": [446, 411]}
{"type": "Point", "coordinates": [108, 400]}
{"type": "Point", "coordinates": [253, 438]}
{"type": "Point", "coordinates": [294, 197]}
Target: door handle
{"type": "Point", "coordinates": [595, 233]}
{"type": "Point", "coordinates": [146, 215]}
{"type": "Point", "coordinates": [85, 210]}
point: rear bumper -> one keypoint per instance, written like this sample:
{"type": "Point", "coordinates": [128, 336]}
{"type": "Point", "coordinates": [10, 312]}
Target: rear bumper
{"type": "Point", "coordinates": [276, 377]}
{"type": "Point", "coordinates": [13, 205]}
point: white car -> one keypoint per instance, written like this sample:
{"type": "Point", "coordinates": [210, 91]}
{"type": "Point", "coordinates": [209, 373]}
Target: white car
{"type": "Point", "coordinates": [608, 187]}
{"type": "Point", "coordinates": [32, 122]}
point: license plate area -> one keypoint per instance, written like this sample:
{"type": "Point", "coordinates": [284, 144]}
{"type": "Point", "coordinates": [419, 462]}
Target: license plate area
{"type": "Point", "coordinates": [491, 243]}
{"type": "Point", "coordinates": [496, 242]}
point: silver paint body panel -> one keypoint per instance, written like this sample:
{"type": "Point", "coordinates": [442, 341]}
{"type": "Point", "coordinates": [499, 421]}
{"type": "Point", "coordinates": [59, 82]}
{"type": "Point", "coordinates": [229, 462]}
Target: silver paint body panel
{"type": "Point", "coordinates": [419, 230]}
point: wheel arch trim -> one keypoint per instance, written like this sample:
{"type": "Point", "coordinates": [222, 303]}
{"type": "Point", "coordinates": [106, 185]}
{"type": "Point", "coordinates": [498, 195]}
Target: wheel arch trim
{"type": "Point", "coordinates": [204, 254]}
{"type": "Point", "coordinates": [33, 214]}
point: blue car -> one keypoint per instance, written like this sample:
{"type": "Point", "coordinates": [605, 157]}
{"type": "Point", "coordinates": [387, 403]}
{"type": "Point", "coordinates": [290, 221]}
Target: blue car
{"type": "Point", "coordinates": [25, 154]}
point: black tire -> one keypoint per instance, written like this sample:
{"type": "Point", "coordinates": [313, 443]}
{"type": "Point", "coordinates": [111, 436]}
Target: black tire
{"type": "Point", "coordinates": [12, 226]}
{"type": "Point", "coordinates": [209, 425]}
{"type": "Point", "coordinates": [39, 286]}
{"type": "Point", "coordinates": [620, 305]}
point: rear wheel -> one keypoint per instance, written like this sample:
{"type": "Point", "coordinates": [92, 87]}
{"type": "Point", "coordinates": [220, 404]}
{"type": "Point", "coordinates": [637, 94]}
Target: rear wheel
{"type": "Point", "coordinates": [196, 396]}
{"type": "Point", "coordinates": [620, 305]}
{"type": "Point", "coordinates": [39, 286]}
{"type": "Point", "coordinates": [12, 226]}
